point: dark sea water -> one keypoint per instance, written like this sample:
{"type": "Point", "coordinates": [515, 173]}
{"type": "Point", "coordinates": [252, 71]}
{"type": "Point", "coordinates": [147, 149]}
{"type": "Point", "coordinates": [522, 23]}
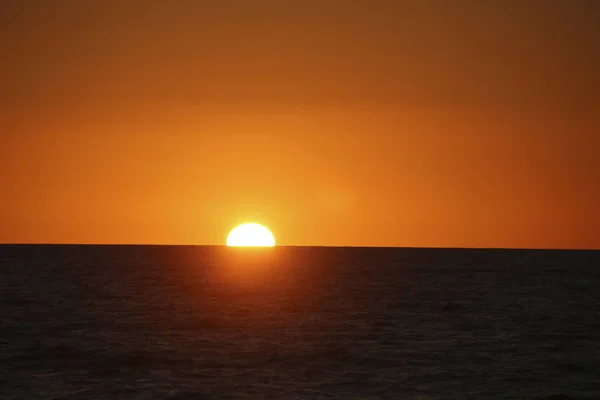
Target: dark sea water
{"type": "Point", "coordinates": [162, 322]}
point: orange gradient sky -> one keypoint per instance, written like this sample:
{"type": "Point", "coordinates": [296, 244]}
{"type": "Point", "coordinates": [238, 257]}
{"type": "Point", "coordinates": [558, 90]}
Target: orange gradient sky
{"type": "Point", "coordinates": [364, 123]}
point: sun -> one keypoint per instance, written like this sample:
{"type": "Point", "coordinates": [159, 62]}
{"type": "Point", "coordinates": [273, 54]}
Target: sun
{"type": "Point", "coordinates": [250, 235]}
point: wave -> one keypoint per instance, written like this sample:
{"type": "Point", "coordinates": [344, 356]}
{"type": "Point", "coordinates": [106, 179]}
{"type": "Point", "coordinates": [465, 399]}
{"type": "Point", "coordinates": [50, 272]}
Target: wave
{"type": "Point", "coordinates": [565, 397]}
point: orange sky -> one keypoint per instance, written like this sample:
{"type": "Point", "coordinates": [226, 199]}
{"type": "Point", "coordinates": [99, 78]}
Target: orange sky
{"type": "Point", "coordinates": [370, 123]}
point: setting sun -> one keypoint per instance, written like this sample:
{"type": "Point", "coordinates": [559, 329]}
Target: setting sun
{"type": "Point", "coordinates": [250, 235]}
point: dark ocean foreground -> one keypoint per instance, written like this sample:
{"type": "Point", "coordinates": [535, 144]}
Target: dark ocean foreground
{"type": "Point", "coordinates": [154, 322]}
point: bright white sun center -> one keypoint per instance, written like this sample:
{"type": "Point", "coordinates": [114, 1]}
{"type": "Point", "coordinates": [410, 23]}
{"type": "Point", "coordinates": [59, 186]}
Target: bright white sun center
{"type": "Point", "coordinates": [250, 235]}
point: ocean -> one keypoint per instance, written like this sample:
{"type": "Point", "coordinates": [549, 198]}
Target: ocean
{"type": "Point", "coordinates": [210, 322]}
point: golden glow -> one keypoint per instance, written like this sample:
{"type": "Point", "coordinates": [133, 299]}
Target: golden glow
{"type": "Point", "coordinates": [250, 235]}
{"type": "Point", "coordinates": [358, 124]}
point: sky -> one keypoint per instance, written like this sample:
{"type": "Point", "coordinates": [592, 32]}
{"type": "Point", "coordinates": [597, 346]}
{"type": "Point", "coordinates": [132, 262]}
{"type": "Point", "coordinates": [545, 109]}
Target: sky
{"type": "Point", "coordinates": [427, 123]}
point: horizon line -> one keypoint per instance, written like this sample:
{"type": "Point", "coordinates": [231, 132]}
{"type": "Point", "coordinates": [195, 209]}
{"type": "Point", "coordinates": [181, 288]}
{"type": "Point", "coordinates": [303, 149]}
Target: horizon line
{"type": "Point", "coordinates": [303, 246]}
